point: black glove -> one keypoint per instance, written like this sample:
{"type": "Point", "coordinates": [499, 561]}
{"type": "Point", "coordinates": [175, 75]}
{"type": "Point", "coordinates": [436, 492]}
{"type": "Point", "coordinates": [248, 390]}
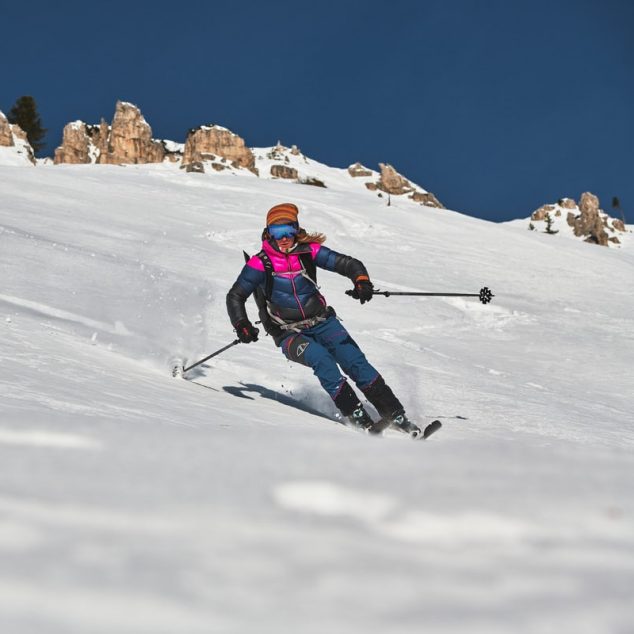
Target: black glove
{"type": "Point", "coordinates": [246, 331]}
{"type": "Point", "coordinates": [363, 289]}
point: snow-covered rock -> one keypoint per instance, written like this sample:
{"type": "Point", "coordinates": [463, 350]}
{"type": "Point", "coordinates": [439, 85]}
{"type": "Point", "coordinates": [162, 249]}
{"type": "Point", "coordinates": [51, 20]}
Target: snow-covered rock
{"type": "Point", "coordinates": [585, 221]}
{"type": "Point", "coordinates": [395, 184]}
{"type": "Point", "coordinates": [15, 148]}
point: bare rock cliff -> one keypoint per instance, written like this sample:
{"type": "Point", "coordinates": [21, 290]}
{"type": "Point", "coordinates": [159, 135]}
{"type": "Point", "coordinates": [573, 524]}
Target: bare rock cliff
{"type": "Point", "coordinates": [208, 142]}
{"type": "Point", "coordinates": [75, 147]}
{"type": "Point", "coordinates": [127, 140]}
{"type": "Point", "coordinates": [130, 139]}
{"type": "Point", "coordinates": [589, 223]}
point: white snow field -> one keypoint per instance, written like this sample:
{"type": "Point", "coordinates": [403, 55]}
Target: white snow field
{"type": "Point", "coordinates": [133, 502]}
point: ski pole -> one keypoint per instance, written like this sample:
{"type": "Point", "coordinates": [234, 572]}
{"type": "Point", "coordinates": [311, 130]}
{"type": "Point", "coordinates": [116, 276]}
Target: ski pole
{"type": "Point", "coordinates": [213, 354]}
{"type": "Point", "coordinates": [485, 294]}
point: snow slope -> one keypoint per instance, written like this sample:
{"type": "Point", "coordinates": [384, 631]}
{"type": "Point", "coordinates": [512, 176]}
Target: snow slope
{"type": "Point", "coordinates": [134, 502]}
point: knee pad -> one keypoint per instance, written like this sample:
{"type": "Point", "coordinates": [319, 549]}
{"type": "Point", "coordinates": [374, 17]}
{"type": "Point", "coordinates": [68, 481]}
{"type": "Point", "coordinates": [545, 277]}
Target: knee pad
{"type": "Point", "coordinates": [296, 349]}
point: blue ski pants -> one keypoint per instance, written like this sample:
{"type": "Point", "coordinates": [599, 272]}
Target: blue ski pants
{"type": "Point", "coordinates": [325, 348]}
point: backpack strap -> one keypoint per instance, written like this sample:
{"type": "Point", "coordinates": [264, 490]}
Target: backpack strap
{"type": "Point", "coordinates": [268, 270]}
{"type": "Point", "coordinates": [309, 266]}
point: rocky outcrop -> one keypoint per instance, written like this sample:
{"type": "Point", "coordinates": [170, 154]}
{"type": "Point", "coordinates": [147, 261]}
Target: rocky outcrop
{"type": "Point", "coordinates": [567, 203]}
{"type": "Point", "coordinates": [14, 137]}
{"type": "Point", "coordinates": [6, 135]}
{"type": "Point", "coordinates": [127, 140]}
{"type": "Point", "coordinates": [391, 182]}
{"type": "Point", "coordinates": [618, 224]}
{"type": "Point", "coordinates": [356, 170]}
{"type": "Point", "coordinates": [427, 199]}
{"type": "Point", "coordinates": [207, 142]}
{"type": "Point", "coordinates": [395, 184]}
{"type": "Point", "coordinates": [75, 147]}
{"type": "Point", "coordinates": [280, 152]}
{"type": "Point", "coordinates": [541, 213]}
{"type": "Point", "coordinates": [283, 171]}
{"type": "Point", "coordinates": [586, 219]}
{"type": "Point", "coordinates": [130, 139]}
{"type": "Point", "coordinates": [196, 168]}
{"type": "Point", "coordinates": [589, 223]}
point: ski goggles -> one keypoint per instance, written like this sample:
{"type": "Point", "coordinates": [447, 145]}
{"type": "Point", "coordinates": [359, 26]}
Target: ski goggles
{"type": "Point", "coordinates": [277, 232]}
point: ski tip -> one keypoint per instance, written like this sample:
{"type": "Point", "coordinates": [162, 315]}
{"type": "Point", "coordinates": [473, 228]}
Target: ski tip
{"type": "Point", "coordinates": [434, 426]}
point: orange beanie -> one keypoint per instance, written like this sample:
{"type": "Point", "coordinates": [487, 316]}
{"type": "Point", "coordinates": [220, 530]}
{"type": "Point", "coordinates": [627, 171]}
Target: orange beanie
{"type": "Point", "coordinates": [282, 214]}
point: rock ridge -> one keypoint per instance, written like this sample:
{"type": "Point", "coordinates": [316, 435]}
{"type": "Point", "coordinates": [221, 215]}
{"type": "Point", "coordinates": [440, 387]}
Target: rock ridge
{"type": "Point", "coordinates": [586, 219]}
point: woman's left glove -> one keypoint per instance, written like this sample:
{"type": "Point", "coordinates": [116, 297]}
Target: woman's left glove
{"type": "Point", "coordinates": [363, 289]}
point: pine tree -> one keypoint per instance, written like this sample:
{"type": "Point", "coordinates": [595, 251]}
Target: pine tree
{"type": "Point", "coordinates": [549, 225]}
{"type": "Point", "coordinates": [25, 114]}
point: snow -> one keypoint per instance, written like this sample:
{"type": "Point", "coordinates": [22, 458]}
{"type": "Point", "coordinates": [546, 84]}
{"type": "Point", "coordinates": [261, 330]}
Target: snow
{"type": "Point", "coordinates": [173, 146]}
{"type": "Point", "coordinates": [215, 126]}
{"type": "Point", "coordinates": [17, 155]}
{"type": "Point", "coordinates": [134, 502]}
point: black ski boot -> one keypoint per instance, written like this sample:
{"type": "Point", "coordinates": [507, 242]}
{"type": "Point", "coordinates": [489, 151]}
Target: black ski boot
{"type": "Point", "coordinates": [382, 397]}
{"type": "Point", "coordinates": [352, 410]}
{"type": "Point", "coordinates": [400, 421]}
{"type": "Point", "coordinates": [360, 418]}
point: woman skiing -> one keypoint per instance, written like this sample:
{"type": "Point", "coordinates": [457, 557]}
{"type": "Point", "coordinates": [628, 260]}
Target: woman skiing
{"type": "Point", "coordinates": [295, 314]}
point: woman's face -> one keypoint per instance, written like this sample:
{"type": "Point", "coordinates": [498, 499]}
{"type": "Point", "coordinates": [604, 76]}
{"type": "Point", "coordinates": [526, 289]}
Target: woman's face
{"type": "Point", "coordinates": [286, 243]}
{"type": "Point", "coordinates": [284, 235]}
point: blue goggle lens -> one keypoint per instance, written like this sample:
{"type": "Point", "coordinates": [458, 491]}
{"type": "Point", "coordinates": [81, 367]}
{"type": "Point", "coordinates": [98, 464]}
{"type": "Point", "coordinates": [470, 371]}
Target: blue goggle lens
{"type": "Point", "coordinates": [277, 232]}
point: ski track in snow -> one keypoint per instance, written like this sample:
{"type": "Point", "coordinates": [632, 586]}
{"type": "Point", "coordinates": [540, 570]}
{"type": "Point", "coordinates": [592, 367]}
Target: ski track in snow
{"type": "Point", "coordinates": [232, 502]}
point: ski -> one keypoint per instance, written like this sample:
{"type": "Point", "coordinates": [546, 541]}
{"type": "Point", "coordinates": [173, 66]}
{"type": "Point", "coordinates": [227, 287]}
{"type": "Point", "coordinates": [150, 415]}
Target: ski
{"type": "Point", "coordinates": [411, 430]}
{"type": "Point", "coordinates": [434, 426]}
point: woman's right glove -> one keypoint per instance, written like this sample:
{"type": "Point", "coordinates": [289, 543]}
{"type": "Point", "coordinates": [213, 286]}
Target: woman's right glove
{"type": "Point", "coordinates": [246, 331]}
{"type": "Point", "coordinates": [363, 289]}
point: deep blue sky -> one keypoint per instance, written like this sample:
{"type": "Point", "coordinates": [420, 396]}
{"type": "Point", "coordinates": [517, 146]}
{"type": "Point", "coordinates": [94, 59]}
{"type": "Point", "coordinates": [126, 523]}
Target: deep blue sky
{"type": "Point", "coordinates": [495, 106]}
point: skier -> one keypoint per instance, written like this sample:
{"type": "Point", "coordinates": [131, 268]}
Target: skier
{"type": "Point", "coordinates": [295, 314]}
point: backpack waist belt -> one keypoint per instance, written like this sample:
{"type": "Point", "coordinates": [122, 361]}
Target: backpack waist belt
{"type": "Point", "coordinates": [297, 326]}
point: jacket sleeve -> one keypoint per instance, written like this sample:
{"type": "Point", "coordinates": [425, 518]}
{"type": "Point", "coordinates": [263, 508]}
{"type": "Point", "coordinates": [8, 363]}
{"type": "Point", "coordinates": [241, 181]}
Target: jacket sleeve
{"type": "Point", "coordinates": [248, 280]}
{"type": "Point", "coordinates": [343, 264]}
